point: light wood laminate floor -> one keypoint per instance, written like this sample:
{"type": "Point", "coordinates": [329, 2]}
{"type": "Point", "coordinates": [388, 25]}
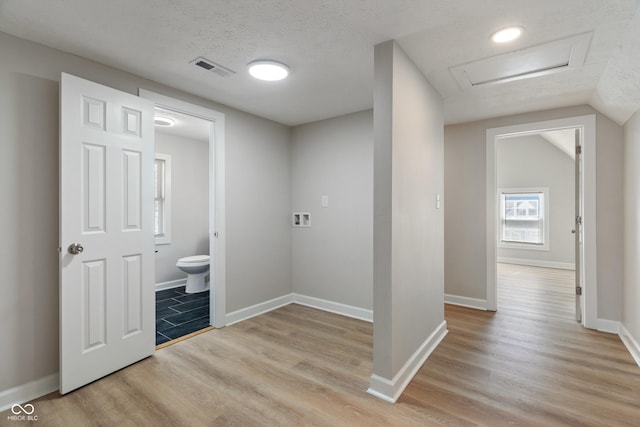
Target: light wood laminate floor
{"type": "Point", "coordinates": [529, 364]}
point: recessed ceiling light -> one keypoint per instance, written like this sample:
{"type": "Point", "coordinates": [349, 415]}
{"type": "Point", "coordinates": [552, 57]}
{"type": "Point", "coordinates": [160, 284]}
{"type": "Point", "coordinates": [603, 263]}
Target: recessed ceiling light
{"type": "Point", "coordinates": [507, 34]}
{"type": "Point", "coordinates": [163, 121]}
{"type": "Point", "coordinates": [268, 70]}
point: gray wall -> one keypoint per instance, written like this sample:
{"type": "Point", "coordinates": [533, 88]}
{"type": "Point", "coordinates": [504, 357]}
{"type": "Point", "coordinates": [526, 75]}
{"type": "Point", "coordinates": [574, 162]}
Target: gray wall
{"type": "Point", "coordinates": [609, 202]}
{"type": "Point", "coordinates": [333, 259]}
{"type": "Point", "coordinates": [258, 210]}
{"type": "Point", "coordinates": [465, 175]}
{"type": "Point", "coordinates": [258, 202]}
{"type": "Point", "coordinates": [189, 203]}
{"type": "Point", "coordinates": [631, 287]}
{"type": "Point", "coordinates": [408, 230]}
{"type": "Point", "coordinates": [531, 161]}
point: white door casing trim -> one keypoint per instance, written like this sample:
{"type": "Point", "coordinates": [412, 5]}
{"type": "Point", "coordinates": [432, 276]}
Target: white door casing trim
{"type": "Point", "coordinates": [588, 124]}
{"type": "Point", "coordinates": [217, 229]}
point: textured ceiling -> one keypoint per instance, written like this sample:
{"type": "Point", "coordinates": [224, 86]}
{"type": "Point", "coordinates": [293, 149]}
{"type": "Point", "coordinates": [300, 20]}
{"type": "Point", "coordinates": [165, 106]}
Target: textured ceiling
{"type": "Point", "coordinates": [329, 46]}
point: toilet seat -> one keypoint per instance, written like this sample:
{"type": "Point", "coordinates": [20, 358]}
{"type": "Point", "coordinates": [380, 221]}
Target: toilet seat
{"type": "Point", "coordinates": [195, 258]}
{"type": "Point", "coordinates": [194, 261]}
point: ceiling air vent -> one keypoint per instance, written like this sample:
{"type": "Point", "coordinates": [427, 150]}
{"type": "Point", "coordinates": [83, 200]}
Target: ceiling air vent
{"type": "Point", "coordinates": [212, 66]}
{"type": "Point", "coordinates": [540, 60]}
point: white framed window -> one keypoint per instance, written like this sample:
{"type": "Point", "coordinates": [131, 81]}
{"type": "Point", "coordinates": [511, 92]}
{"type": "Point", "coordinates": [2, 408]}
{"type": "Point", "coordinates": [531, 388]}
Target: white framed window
{"type": "Point", "coordinates": [524, 218]}
{"type": "Point", "coordinates": [162, 198]}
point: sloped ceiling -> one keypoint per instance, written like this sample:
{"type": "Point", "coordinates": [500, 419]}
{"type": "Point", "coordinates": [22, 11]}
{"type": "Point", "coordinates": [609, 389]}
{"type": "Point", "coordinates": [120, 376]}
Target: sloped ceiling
{"type": "Point", "coordinates": [564, 140]}
{"type": "Point", "coordinates": [329, 46]}
{"type": "Point", "coordinates": [618, 89]}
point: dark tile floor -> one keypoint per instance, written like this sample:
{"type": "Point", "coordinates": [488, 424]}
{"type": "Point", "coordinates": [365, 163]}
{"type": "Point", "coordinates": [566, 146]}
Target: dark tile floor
{"type": "Point", "coordinates": [179, 313]}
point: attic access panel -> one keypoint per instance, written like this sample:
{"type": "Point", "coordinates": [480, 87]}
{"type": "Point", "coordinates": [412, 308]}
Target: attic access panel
{"type": "Point", "coordinates": [547, 58]}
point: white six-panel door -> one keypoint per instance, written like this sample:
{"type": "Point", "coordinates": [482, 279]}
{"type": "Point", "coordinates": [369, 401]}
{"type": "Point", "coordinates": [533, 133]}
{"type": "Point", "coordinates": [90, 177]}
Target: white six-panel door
{"type": "Point", "coordinates": [107, 314]}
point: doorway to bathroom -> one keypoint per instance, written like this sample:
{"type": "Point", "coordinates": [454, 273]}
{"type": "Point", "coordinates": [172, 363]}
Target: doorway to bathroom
{"type": "Point", "coordinates": [181, 224]}
{"type": "Point", "coordinates": [188, 219]}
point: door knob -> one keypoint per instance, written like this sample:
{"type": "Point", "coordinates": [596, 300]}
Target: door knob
{"type": "Point", "coordinates": [75, 248]}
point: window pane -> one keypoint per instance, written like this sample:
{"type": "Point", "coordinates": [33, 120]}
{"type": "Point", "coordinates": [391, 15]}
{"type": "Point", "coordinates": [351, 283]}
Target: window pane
{"type": "Point", "coordinates": [523, 218]}
{"type": "Point", "coordinates": [159, 172]}
{"type": "Point", "coordinates": [158, 217]}
{"type": "Point", "coordinates": [162, 199]}
{"type": "Point", "coordinates": [158, 169]}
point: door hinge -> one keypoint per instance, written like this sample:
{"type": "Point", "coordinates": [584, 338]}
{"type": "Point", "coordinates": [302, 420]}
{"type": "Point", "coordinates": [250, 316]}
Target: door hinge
{"type": "Point", "coordinates": [578, 149]}
{"type": "Point", "coordinates": [579, 220]}
{"type": "Point", "coordinates": [578, 290]}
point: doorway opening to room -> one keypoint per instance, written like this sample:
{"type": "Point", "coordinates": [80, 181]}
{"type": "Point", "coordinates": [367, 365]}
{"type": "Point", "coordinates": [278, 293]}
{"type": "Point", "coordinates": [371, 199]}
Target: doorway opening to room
{"type": "Point", "coordinates": [188, 220]}
{"type": "Point", "coordinates": [181, 225]}
{"type": "Point", "coordinates": [535, 178]}
{"type": "Point", "coordinates": [539, 199]}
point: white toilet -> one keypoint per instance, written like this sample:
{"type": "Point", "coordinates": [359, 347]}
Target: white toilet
{"type": "Point", "coordinates": [197, 269]}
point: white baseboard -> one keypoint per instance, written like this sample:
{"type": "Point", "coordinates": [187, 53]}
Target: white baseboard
{"type": "Point", "coordinates": [29, 391]}
{"type": "Point", "coordinates": [258, 309]}
{"type": "Point", "coordinates": [538, 263]}
{"type": "Point", "coordinates": [320, 304]}
{"type": "Point", "coordinates": [334, 307]}
{"type": "Point", "coordinates": [170, 284]}
{"type": "Point", "coordinates": [390, 390]}
{"type": "Point", "coordinates": [630, 342]}
{"type": "Point", "coordinates": [478, 304]}
{"type": "Point", "coordinates": [606, 325]}
{"type": "Point", "coordinates": [381, 388]}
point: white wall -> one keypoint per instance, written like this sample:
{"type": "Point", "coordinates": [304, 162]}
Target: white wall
{"type": "Point", "coordinates": [530, 161]}
{"type": "Point", "coordinates": [408, 229]}
{"type": "Point", "coordinates": [189, 203]}
{"type": "Point", "coordinates": [333, 259]}
{"type": "Point", "coordinates": [631, 286]}
{"type": "Point", "coordinates": [465, 244]}
{"type": "Point", "coordinates": [258, 202]}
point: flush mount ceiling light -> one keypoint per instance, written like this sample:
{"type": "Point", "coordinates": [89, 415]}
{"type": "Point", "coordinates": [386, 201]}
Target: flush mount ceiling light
{"type": "Point", "coordinates": [270, 71]}
{"type": "Point", "coordinates": [163, 121]}
{"type": "Point", "coordinates": [507, 34]}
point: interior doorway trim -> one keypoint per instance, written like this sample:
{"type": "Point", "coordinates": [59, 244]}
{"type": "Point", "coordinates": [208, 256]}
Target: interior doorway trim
{"type": "Point", "coordinates": [587, 124]}
{"type": "Point", "coordinates": [217, 235]}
